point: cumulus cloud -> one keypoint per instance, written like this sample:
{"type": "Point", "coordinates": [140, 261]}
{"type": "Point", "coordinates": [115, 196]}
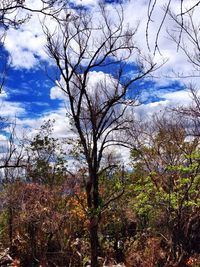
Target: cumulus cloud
{"type": "Point", "coordinates": [57, 93]}
{"type": "Point", "coordinates": [11, 109]}
{"type": "Point", "coordinates": [61, 123]}
{"type": "Point", "coordinates": [26, 44]}
{"type": "Point", "coordinates": [181, 98]}
{"type": "Point", "coordinates": [99, 86]}
{"type": "Point", "coordinates": [169, 100]}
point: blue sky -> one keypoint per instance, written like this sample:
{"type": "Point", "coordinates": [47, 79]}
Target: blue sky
{"type": "Point", "coordinates": [31, 88]}
{"type": "Point", "coordinates": [27, 93]}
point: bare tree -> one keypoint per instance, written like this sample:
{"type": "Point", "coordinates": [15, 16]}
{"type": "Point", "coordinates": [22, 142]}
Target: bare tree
{"type": "Point", "coordinates": [84, 45]}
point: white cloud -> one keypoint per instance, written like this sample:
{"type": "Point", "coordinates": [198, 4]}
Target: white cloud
{"type": "Point", "coordinates": [19, 44]}
{"type": "Point", "coordinates": [177, 62]}
{"type": "Point", "coordinates": [2, 138]}
{"type": "Point", "coordinates": [178, 98]}
{"type": "Point", "coordinates": [61, 124]}
{"type": "Point", "coordinates": [3, 94]}
{"type": "Point", "coordinates": [57, 93]}
{"type": "Point", "coordinates": [26, 44]}
{"type": "Point", "coordinates": [170, 100]}
{"type": "Point", "coordinates": [85, 2]}
{"type": "Point", "coordinates": [11, 109]}
{"type": "Point", "coordinates": [100, 87]}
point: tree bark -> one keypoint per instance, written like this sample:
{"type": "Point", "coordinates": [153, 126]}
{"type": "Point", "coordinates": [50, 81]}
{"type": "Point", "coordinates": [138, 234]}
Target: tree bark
{"type": "Point", "coordinates": [92, 191]}
{"type": "Point", "coordinates": [94, 244]}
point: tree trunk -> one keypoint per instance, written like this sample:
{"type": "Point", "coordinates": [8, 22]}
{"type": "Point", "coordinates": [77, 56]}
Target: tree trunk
{"type": "Point", "coordinates": [33, 246]}
{"type": "Point", "coordinates": [92, 190]}
{"type": "Point", "coordinates": [94, 244]}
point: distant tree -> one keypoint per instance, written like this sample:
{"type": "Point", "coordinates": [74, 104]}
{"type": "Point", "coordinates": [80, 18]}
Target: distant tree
{"type": "Point", "coordinates": [46, 158]}
{"type": "Point", "coordinates": [32, 222]}
{"type": "Point", "coordinates": [167, 184]}
{"type": "Point", "coordinates": [84, 45]}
